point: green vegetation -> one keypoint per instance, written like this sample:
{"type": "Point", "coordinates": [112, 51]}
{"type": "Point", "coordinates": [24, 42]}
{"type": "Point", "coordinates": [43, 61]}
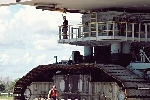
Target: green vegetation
{"type": "Point", "coordinates": [6, 98]}
{"type": "Point", "coordinates": [7, 84]}
{"type": "Point", "coordinates": [2, 87]}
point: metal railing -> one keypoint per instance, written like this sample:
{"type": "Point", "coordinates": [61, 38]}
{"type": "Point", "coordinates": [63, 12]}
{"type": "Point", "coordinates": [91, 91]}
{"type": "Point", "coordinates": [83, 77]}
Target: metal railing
{"type": "Point", "coordinates": [108, 30]}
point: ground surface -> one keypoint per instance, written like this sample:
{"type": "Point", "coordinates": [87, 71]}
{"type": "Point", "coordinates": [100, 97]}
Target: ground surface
{"type": "Point", "coordinates": [6, 98]}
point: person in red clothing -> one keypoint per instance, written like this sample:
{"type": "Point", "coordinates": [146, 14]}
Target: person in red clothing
{"type": "Point", "coordinates": [52, 93]}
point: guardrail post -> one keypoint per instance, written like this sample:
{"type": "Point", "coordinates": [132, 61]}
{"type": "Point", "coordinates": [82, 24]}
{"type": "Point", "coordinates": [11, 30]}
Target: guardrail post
{"type": "Point", "coordinates": [145, 32]}
{"type": "Point", "coordinates": [59, 32]}
{"type": "Point", "coordinates": [107, 25]}
{"type": "Point", "coordinates": [113, 30]}
{"type": "Point", "coordinates": [79, 32]}
{"type": "Point", "coordinates": [76, 36]}
{"type": "Point", "coordinates": [71, 32]}
{"type": "Point", "coordinates": [139, 32]}
{"type": "Point", "coordinates": [96, 31]}
{"type": "Point", "coordinates": [69, 28]}
{"type": "Point", "coordinates": [133, 31]}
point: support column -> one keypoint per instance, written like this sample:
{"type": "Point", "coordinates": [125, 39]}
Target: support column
{"type": "Point", "coordinates": [115, 52]}
{"type": "Point", "coordinates": [88, 54]}
{"type": "Point", "coordinates": [88, 51]}
{"type": "Point", "coordinates": [116, 47]}
{"type": "Point", "coordinates": [126, 56]}
{"type": "Point", "coordinates": [126, 48]}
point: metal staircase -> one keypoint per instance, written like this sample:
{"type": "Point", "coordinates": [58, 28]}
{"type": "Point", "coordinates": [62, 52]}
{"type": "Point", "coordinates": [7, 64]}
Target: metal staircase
{"type": "Point", "coordinates": [135, 86]}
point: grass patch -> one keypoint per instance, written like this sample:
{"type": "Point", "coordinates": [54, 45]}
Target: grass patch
{"type": "Point", "coordinates": [6, 98]}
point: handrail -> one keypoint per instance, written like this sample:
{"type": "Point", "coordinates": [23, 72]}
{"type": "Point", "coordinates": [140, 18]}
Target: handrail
{"type": "Point", "coordinates": [107, 29]}
{"type": "Point", "coordinates": [60, 31]}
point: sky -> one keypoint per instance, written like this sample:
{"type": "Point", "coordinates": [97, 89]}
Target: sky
{"type": "Point", "coordinates": [28, 38]}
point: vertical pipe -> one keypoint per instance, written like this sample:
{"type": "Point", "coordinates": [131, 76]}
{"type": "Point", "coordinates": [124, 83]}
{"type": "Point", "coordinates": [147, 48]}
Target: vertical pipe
{"type": "Point", "coordinates": [55, 58]}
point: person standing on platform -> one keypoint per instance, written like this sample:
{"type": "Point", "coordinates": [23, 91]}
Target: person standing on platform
{"type": "Point", "coordinates": [65, 27]}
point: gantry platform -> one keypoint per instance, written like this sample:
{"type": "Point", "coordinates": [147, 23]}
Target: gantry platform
{"type": "Point", "coordinates": [76, 36]}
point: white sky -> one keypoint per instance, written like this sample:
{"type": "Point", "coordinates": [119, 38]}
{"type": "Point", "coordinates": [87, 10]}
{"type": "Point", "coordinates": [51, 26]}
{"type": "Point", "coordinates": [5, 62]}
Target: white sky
{"type": "Point", "coordinates": [11, 1]}
{"type": "Point", "coordinates": [28, 38]}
